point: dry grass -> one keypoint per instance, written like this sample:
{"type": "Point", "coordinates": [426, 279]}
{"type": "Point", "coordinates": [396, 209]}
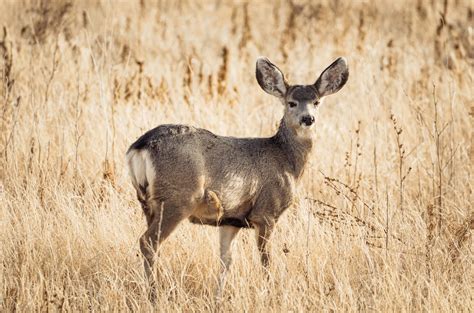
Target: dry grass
{"type": "Point", "coordinates": [385, 218]}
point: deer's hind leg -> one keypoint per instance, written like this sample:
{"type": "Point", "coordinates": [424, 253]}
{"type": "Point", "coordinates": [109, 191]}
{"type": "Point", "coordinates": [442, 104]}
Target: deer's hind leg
{"type": "Point", "coordinates": [163, 219]}
{"type": "Point", "coordinates": [142, 196]}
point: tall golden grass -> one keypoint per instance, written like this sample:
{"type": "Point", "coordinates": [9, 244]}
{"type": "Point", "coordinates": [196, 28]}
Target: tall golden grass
{"type": "Point", "coordinates": [385, 216]}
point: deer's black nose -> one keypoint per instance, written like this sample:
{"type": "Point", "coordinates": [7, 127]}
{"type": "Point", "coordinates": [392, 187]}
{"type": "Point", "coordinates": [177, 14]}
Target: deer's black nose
{"type": "Point", "coordinates": [308, 120]}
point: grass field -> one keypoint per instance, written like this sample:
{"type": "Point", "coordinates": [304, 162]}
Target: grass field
{"type": "Point", "coordinates": [385, 215]}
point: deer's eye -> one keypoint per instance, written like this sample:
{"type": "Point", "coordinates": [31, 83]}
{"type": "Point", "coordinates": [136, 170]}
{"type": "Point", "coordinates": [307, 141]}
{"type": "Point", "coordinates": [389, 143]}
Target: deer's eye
{"type": "Point", "coordinates": [316, 103]}
{"type": "Point", "coordinates": [292, 104]}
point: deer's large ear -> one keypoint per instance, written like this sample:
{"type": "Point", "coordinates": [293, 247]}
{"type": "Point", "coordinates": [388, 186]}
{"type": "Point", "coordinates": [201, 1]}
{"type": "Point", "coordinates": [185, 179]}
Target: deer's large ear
{"type": "Point", "coordinates": [270, 78]}
{"type": "Point", "coordinates": [333, 78]}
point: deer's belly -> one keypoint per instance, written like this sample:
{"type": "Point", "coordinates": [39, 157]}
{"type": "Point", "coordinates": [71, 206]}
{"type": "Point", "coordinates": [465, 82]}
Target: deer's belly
{"type": "Point", "coordinates": [210, 215]}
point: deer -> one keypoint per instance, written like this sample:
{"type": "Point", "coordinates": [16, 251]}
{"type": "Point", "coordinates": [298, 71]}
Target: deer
{"type": "Point", "coordinates": [182, 172]}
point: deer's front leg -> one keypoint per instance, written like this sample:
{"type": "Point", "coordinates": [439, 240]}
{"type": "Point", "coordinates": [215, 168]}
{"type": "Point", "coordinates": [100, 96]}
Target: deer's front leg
{"type": "Point", "coordinates": [264, 217]}
{"type": "Point", "coordinates": [263, 232]}
{"type": "Point", "coordinates": [226, 235]}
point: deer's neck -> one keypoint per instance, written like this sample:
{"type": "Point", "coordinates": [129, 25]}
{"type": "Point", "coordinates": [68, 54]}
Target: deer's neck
{"type": "Point", "coordinates": [296, 148]}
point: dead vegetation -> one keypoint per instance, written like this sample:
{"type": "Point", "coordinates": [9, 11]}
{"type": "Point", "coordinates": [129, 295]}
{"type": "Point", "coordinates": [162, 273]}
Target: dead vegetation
{"type": "Point", "coordinates": [385, 218]}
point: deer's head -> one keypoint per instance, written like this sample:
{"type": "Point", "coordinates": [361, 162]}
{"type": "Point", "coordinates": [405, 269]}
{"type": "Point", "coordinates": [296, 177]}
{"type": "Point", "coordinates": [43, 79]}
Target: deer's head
{"type": "Point", "coordinates": [301, 101]}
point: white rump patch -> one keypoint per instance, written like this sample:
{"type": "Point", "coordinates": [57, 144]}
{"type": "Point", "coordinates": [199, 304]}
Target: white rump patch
{"type": "Point", "coordinates": [140, 168]}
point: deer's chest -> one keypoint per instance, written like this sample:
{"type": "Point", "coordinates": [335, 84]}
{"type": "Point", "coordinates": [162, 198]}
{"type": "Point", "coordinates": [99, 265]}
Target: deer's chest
{"type": "Point", "coordinates": [276, 195]}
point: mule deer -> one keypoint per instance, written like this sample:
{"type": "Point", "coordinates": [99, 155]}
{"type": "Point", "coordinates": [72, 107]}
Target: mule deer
{"type": "Point", "coordinates": [184, 172]}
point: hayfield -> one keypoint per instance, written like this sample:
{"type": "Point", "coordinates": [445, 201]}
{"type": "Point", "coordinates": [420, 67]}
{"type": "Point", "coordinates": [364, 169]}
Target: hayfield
{"type": "Point", "coordinates": [385, 215]}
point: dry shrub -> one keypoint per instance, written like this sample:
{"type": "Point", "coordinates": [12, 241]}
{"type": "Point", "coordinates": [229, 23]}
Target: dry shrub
{"type": "Point", "coordinates": [384, 221]}
{"type": "Point", "coordinates": [45, 18]}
